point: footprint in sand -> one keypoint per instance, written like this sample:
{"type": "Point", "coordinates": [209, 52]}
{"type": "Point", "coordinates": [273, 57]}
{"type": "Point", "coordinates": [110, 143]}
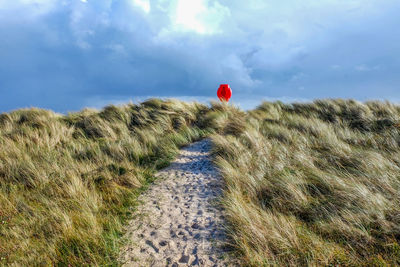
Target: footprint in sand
{"type": "Point", "coordinates": [179, 223]}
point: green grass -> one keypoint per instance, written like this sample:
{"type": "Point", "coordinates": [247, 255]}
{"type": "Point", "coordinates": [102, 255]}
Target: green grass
{"type": "Point", "coordinates": [313, 184]}
{"type": "Point", "coordinates": [69, 183]}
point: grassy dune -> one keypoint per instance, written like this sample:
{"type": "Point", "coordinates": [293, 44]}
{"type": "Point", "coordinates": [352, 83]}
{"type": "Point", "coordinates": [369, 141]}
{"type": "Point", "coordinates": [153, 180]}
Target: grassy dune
{"type": "Point", "coordinates": [67, 182]}
{"type": "Point", "coordinates": [313, 184]}
{"type": "Point", "coordinates": [306, 184]}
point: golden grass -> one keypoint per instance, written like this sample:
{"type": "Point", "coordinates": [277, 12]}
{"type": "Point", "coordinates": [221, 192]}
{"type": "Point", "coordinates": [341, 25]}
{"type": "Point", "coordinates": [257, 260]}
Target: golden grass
{"type": "Point", "coordinates": [306, 184]}
{"type": "Point", "coordinates": [313, 184]}
{"type": "Point", "coordinates": [68, 183]}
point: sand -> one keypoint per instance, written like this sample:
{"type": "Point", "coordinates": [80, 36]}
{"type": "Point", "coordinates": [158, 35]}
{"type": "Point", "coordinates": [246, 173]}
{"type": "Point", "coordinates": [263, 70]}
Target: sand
{"type": "Point", "coordinates": [179, 221]}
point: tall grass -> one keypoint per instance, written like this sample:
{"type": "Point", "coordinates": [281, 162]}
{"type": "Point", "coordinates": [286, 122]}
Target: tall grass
{"type": "Point", "coordinates": [67, 183]}
{"type": "Point", "coordinates": [306, 184]}
{"type": "Point", "coordinates": [313, 184]}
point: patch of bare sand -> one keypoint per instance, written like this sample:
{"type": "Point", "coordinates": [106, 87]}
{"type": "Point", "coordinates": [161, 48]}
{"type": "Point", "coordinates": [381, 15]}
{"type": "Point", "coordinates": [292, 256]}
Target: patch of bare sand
{"type": "Point", "coordinates": [179, 221]}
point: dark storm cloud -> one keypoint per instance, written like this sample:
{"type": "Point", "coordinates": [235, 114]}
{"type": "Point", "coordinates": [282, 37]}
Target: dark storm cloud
{"type": "Point", "coordinates": [67, 54]}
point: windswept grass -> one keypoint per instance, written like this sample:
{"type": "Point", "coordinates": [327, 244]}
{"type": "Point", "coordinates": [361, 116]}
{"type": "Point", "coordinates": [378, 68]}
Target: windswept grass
{"type": "Point", "coordinates": [67, 183]}
{"type": "Point", "coordinates": [313, 184]}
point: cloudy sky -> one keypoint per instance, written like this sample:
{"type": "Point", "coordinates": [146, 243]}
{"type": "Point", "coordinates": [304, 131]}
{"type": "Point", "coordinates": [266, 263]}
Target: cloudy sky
{"type": "Point", "coordinates": [68, 54]}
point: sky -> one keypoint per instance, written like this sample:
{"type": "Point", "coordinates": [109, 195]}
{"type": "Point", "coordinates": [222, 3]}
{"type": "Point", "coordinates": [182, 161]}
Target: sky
{"type": "Point", "coordinates": [69, 54]}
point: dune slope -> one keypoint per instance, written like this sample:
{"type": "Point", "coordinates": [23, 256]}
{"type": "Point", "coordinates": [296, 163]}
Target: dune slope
{"type": "Point", "coordinates": [67, 182]}
{"type": "Point", "coordinates": [313, 184]}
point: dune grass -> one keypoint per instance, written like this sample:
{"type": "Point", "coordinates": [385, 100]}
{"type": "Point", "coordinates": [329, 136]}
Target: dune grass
{"type": "Point", "coordinates": [314, 184]}
{"type": "Point", "coordinates": [69, 182]}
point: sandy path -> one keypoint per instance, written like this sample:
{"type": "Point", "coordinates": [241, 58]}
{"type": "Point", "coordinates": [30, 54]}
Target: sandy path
{"type": "Point", "coordinates": [179, 222]}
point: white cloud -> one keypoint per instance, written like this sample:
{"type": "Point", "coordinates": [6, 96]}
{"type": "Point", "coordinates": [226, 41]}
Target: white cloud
{"type": "Point", "coordinates": [234, 69]}
{"type": "Point", "coordinates": [200, 16]}
{"type": "Point", "coordinates": [143, 4]}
